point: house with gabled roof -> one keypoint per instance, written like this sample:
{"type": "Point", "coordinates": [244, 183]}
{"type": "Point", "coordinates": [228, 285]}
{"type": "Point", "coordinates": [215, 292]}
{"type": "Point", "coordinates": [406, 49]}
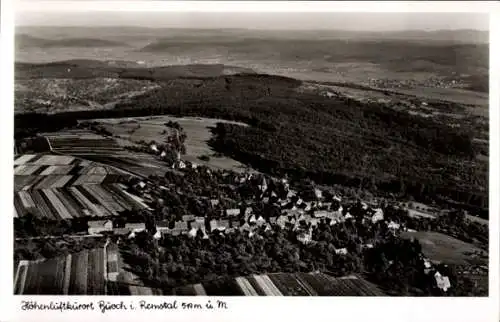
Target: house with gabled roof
{"type": "Point", "coordinates": [181, 225]}
{"type": "Point", "coordinates": [305, 237]}
{"type": "Point", "coordinates": [188, 218]}
{"type": "Point", "coordinates": [233, 212]}
{"type": "Point", "coordinates": [378, 216]}
{"type": "Point", "coordinates": [281, 221]}
{"type": "Point", "coordinates": [136, 227]}
{"type": "Point", "coordinates": [213, 224]}
{"type": "Point", "coordinates": [320, 213]}
{"type": "Point", "coordinates": [341, 251]}
{"type": "Point", "coordinates": [245, 227]}
{"type": "Point", "coordinates": [314, 222]}
{"type": "Point", "coordinates": [214, 202]}
{"type": "Point", "coordinates": [193, 232]}
{"type": "Point", "coordinates": [198, 223]}
{"type": "Point", "coordinates": [443, 282]}
{"type": "Point", "coordinates": [223, 224]}
{"type": "Point", "coordinates": [235, 224]}
{"type": "Point", "coordinates": [99, 226]}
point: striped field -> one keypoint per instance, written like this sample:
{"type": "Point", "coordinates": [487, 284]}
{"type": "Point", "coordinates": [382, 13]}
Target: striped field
{"type": "Point", "coordinates": [102, 271]}
{"type": "Point", "coordinates": [60, 187]}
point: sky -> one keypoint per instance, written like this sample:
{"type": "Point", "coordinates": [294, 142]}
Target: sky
{"type": "Point", "coordinates": [38, 13]}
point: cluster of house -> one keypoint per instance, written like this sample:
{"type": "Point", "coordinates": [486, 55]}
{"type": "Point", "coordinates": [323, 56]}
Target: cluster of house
{"type": "Point", "coordinates": [189, 225]}
{"type": "Point", "coordinates": [292, 213]}
{"type": "Point", "coordinates": [408, 83]}
{"type": "Point", "coordinates": [97, 227]}
{"type": "Point", "coordinates": [162, 153]}
{"type": "Point", "coordinates": [442, 282]}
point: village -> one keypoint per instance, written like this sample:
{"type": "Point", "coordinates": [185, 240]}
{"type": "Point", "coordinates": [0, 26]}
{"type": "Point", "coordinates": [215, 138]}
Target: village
{"type": "Point", "coordinates": [252, 204]}
{"type": "Point", "coordinates": [186, 200]}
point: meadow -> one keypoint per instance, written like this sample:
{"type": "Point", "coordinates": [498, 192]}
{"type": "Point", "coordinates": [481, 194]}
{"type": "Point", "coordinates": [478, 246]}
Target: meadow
{"type": "Point", "coordinates": [442, 248]}
{"type": "Point", "coordinates": [153, 129]}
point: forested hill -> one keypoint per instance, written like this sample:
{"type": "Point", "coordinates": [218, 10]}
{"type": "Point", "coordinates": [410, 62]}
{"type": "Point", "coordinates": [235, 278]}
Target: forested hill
{"type": "Point", "coordinates": [85, 69]}
{"type": "Point", "coordinates": [330, 140]}
{"type": "Point", "coordinates": [26, 41]}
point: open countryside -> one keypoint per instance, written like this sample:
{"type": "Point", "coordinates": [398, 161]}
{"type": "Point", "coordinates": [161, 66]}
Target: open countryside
{"type": "Point", "coordinates": [250, 162]}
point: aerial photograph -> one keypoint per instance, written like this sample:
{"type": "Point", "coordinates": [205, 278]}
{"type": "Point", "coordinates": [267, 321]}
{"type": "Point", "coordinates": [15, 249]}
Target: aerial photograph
{"type": "Point", "coordinates": [251, 154]}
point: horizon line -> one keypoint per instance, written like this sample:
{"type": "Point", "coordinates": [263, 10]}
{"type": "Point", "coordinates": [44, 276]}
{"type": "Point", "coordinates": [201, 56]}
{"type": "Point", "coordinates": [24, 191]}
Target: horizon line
{"type": "Point", "coordinates": [253, 29]}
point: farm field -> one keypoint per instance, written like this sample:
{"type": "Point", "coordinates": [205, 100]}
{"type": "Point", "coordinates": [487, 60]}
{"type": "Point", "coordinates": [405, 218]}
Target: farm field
{"type": "Point", "coordinates": [44, 171]}
{"type": "Point", "coordinates": [420, 214]}
{"type": "Point", "coordinates": [442, 248]}
{"type": "Point", "coordinates": [102, 271]}
{"type": "Point", "coordinates": [120, 280]}
{"type": "Point", "coordinates": [58, 187]}
{"type": "Point", "coordinates": [97, 271]}
{"type": "Point", "coordinates": [104, 150]}
{"type": "Point", "coordinates": [74, 202]}
{"type": "Point", "coordinates": [197, 129]}
{"type": "Point", "coordinates": [477, 219]}
{"type": "Point", "coordinates": [81, 273]}
{"type": "Point", "coordinates": [283, 284]}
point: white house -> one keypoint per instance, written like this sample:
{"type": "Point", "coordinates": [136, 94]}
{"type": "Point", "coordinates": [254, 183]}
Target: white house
{"type": "Point", "coordinates": [153, 147]}
{"type": "Point", "coordinates": [245, 227]}
{"type": "Point", "coordinates": [392, 225]}
{"type": "Point", "coordinates": [192, 233]}
{"type": "Point", "coordinates": [318, 193]}
{"type": "Point", "coordinates": [98, 226]}
{"type": "Point", "coordinates": [305, 237]}
{"type": "Point", "coordinates": [443, 282]}
{"type": "Point", "coordinates": [348, 216]}
{"type": "Point", "coordinates": [314, 222]}
{"type": "Point", "coordinates": [232, 212]}
{"type": "Point", "coordinates": [157, 235]}
{"type": "Point", "coordinates": [260, 221]}
{"type": "Point", "coordinates": [341, 251]}
{"type": "Point", "coordinates": [281, 221]}
{"type": "Point", "coordinates": [136, 227]}
{"type": "Point", "coordinates": [213, 224]}
{"type": "Point", "coordinates": [320, 213]}
{"type": "Point", "coordinates": [379, 215]}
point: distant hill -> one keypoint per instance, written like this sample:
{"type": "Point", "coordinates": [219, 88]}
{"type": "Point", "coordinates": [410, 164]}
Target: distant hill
{"type": "Point", "coordinates": [26, 41]}
{"type": "Point", "coordinates": [122, 69]}
{"type": "Point", "coordinates": [122, 32]}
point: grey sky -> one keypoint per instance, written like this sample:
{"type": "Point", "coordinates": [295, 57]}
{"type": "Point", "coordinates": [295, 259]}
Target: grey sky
{"type": "Point", "coordinates": [332, 20]}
